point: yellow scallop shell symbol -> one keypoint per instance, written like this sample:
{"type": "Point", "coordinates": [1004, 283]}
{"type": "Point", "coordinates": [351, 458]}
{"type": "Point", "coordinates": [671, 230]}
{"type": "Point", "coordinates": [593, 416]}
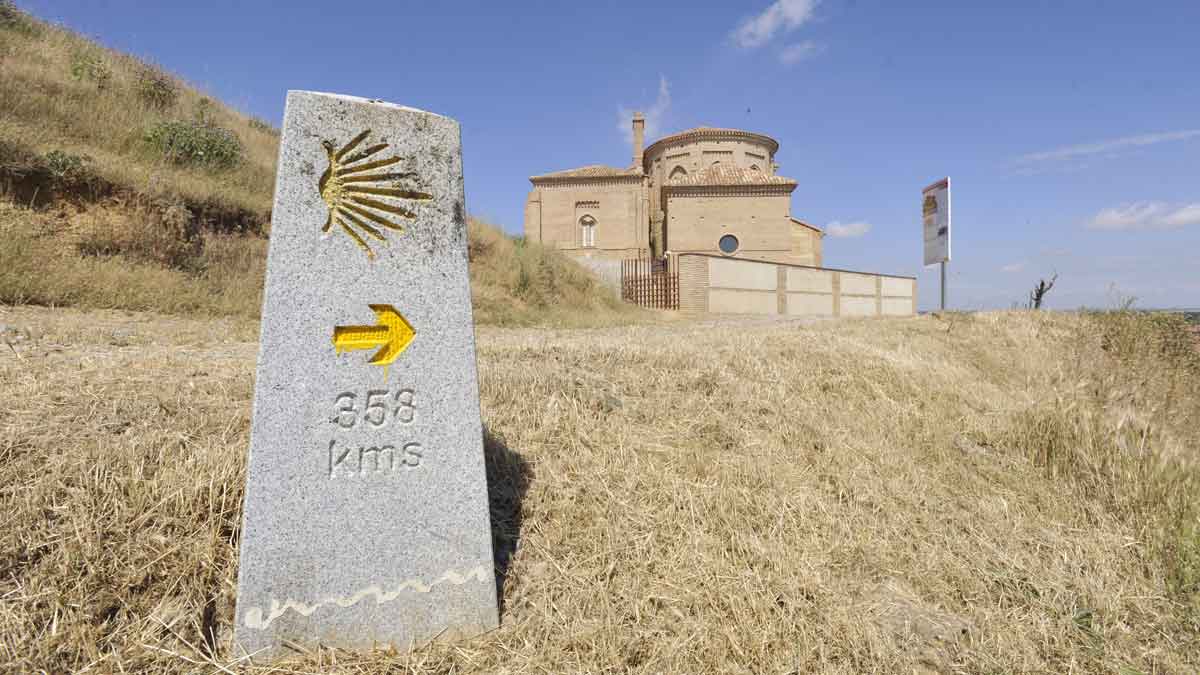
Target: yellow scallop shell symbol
{"type": "Point", "coordinates": [358, 191]}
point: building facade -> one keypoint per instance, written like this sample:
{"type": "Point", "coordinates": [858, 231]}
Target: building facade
{"type": "Point", "coordinates": [704, 190]}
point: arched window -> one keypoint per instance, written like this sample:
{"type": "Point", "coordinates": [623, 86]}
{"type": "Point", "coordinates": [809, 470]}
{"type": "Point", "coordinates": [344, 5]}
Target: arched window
{"type": "Point", "coordinates": [677, 172]}
{"type": "Point", "coordinates": [587, 232]}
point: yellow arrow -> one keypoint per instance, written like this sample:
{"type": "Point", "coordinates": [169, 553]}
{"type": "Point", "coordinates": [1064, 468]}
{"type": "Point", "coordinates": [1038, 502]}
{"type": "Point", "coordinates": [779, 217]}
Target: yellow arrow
{"type": "Point", "coordinates": [393, 333]}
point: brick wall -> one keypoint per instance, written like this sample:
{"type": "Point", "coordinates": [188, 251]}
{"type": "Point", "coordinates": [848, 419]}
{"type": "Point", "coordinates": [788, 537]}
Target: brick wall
{"type": "Point", "coordinates": [693, 284]}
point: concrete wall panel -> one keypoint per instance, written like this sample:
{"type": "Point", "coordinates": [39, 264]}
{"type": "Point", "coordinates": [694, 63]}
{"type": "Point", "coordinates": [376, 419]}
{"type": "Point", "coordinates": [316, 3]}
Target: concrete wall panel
{"type": "Point", "coordinates": [902, 288]}
{"type": "Point", "coordinates": [811, 281]}
{"type": "Point", "coordinates": [724, 301]}
{"type": "Point", "coordinates": [857, 306]}
{"type": "Point", "coordinates": [897, 306]}
{"type": "Point", "coordinates": [809, 304]}
{"type": "Point", "coordinates": [729, 273]}
{"type": "Point", "coordinates": [730, 286]}
{"type": "Point", "coordinates": [858, 284]}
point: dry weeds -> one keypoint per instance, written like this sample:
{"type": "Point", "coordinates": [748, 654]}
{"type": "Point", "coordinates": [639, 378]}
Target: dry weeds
{"type": "Point", "coordinates": [845, 497]}
{"type": "Point", "coordinates": [138, 256]}
{"type": "Point", "coordinates": [113, 258]}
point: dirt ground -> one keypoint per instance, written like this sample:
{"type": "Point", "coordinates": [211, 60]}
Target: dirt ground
{"type": "Point", "coordinates": [983, 493]}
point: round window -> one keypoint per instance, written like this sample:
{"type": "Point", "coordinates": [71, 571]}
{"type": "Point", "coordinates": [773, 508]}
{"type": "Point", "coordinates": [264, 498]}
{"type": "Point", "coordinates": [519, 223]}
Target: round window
{"type": "Point", "coordinates": [728, 243]}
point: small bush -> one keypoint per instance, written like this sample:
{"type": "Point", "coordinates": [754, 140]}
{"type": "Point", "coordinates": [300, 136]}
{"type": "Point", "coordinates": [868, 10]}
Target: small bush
{"type": "Point", "coordinates": [65, 167]}
{"type": "Point", "coordinates": [156, 89]}
{"type": "Point", "coordinates": [91, 67]}
{"type": "Point", "coordinates": [196, 144]}
{"type": "Point", "coordinates": [9, 14]}
{"type": "Point", "coordinates": [265, 127]}
{"type": "Point", "coordinates": [14, 19]}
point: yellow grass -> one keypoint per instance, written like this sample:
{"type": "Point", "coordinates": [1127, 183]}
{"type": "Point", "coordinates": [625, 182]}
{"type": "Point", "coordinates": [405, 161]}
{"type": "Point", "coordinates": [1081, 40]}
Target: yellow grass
{"type": "Point", "coordinates": [517, 283]}
{"type": "Point", "coordinates": [998, 493]}
{"type": "Point", "coordinates": [44, 107]}
{"type": "Point", "coordinates": [135, 256]}
{"type": "Point", "coordinates": [60, 260]}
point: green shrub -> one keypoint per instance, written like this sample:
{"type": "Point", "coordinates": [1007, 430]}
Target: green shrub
{"type": "Point", "coordinates": [91, 67]}
{"type": "Point", "coordinates": [65, 166]}
{"type": "Point", "coordinates": [195, 144]}
{"type": "Point", "coordinates": [265, 127]}
{"type": "Point", "coordinates": [14, 19]}
{"type": "Point", "coordinates": [156, 89]}
{"type": "Point", "coordinates": [9, 14]}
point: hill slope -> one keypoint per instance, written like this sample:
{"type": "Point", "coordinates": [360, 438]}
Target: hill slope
{"type": "Point", "coordinates": [79, 121]}
{"type": "Point", "coordinates": [150, 195]}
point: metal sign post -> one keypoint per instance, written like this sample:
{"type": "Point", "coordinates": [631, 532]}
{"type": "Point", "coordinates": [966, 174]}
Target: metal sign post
{"type": "Point", "coordinates": [935, 225]}
{"type": "Point", "coordinates": [943, 285]}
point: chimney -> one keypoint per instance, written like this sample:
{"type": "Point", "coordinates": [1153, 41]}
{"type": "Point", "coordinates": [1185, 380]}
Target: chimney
{"type": "Point", "coordinates": [639, 133]}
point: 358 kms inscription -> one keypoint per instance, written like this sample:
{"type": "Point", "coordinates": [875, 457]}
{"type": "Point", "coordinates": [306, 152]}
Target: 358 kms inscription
{"type": "Point", "coordinates": [388, 409]}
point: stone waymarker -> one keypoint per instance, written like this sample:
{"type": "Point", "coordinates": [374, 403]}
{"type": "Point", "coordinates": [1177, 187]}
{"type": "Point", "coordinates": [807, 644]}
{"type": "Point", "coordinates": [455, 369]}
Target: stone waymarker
{"type": "Point", "coordinates": [366, 516]}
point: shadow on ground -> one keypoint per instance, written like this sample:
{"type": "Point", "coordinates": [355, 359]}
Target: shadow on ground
{"type": "Point", "coordinates": [508, 477]}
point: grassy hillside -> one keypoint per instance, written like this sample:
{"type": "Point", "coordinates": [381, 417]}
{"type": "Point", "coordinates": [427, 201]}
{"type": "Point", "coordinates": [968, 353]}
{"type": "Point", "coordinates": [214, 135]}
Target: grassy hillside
{"type": "Point", "coordinates": [150, 195]}
{"type": "Point", "coordinates": [998, 493]}
{"type": "Point", "coordinates": [79, 121]}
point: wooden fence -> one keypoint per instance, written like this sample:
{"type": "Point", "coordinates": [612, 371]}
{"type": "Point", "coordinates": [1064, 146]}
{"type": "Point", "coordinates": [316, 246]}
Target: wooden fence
{"type": "Point", "coordinates": [651, 282]}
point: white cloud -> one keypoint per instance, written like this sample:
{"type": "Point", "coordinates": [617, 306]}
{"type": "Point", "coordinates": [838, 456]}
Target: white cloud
{"type": "Point", "coordinates": [1101, 147]}
{"type": "Point", "coordinates": [1015, 267]}
{"type": "Point", "coordinates": [1184, 216]}
{"type": "Point", "coordinates": [655, 114]}
{"type": "Point", "coordinates": [785, 15]}
{"type": "Point", "coordinates": [1146, 215]}
{"type": "Point", "coordinates": [855, 229]}
{"type": "Point", "coordinates": [793, 54]}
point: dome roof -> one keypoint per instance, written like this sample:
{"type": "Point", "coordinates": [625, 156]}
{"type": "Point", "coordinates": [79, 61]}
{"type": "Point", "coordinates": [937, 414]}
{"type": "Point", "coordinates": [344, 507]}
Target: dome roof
{"type": "Point", "coordinates": [712, 133]}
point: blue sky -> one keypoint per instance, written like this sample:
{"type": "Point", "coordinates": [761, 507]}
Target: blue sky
{"type": "Point", "coordinates": [1071, 130]}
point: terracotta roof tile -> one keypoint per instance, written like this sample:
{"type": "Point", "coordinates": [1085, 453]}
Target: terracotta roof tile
{"type": "Point", "coordinates": [729, 174]}
{"type": "Point", "coordinates": [591, 171]}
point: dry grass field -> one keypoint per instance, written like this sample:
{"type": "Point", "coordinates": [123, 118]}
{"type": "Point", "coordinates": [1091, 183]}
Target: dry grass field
{"type": "Point", "coordinates": [991, 493]}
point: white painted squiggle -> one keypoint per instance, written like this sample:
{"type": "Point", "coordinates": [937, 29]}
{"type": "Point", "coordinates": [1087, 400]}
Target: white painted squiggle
{"type": "Point", "coordinates": [254, 615]}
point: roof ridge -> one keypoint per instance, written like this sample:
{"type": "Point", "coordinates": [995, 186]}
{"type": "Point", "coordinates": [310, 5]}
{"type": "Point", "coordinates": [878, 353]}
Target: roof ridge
{"type": "Point", "coordinates": [591, 171]}
{"type": "Point", "coordinates": [703, 130]}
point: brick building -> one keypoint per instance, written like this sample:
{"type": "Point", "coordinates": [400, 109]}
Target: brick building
{"type": "Point", "coordinates": [704, 190]}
